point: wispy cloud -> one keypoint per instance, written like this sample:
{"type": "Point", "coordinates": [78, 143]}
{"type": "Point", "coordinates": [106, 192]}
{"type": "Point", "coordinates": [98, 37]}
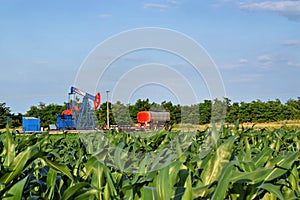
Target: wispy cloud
{"type": "Point", "coordinates": [264, 58]}
{"type": "Point", "coordinates": [287, 8]}
{"type": "Point", "coordinates": [243, 60]}
{"type": "Point", "coordinates": [174, 2]}
{"type": "Point", "coordinates": [293, 64]}
{"type": "Point", "coordinates": [240, 63]}
{"type": "Point", "coordinates": [104, 16]}
{"type": "Point", "coordinates": [291, 43]}
{"type": "Point", "coordinates": [156, 6]}
{"type": "Point", "coordinates": [245, 78]}
{"type": "Point", "coordinates": [219, 3]}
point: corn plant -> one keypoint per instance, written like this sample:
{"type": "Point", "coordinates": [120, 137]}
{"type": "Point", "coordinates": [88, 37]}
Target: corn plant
{"type": "Point", "coordinates": [236, 163]}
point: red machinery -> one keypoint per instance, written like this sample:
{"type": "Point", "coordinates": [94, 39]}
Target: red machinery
{"type": "Point", "coordinates": [153, 119]}
{"type": "Point", "coordinates": [95, 99]}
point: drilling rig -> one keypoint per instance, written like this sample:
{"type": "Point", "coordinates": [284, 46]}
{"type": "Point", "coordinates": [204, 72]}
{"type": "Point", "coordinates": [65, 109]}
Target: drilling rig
{"type": "Point", "coordinates": [79, 114]}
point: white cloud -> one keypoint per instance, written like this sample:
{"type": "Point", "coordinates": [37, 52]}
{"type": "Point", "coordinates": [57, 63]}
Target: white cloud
{"type": "Point", "coordinates": [288, 8]}
{"type": "Point", "coordinates": [243, 60]}
{"type": "Point", "coordinates": [264, 58]}
{"type": "Point", "coordinates": [293, 64]}
{"type": "Point", "coordinates": [245, 78]}
{"type": "Point", "coordinates": [292, 43]}
{"type": "Point", "coordinates": [240, 63]}
{"type": "Point", "coordinates": [156, 6]}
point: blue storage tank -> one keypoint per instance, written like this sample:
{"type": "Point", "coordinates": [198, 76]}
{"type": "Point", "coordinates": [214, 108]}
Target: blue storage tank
{"type": "Point", "coordinates": [31, 124]}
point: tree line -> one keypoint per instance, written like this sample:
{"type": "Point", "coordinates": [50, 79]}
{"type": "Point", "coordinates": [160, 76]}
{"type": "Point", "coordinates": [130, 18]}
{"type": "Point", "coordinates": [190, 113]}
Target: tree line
{"type": "Point", "coordinates": [203, 113]}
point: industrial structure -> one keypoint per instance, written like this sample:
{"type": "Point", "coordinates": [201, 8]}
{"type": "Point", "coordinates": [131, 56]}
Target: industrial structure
{"type": "Point", "coordinates": [153, 119]}
{"type": "Point", "coordinates": [30, 124]}
{"type": "Point", "coordinates": [79, 114]}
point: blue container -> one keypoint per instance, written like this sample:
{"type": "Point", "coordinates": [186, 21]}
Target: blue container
{"type": "Point", "coordinates": [31, 124]}
{"type": "Point", "coordinates": [64, 122]}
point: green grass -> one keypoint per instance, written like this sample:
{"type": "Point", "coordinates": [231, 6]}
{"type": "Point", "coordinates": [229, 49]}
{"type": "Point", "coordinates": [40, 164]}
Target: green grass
{"type": "Point", "coordinates": [230, 163]}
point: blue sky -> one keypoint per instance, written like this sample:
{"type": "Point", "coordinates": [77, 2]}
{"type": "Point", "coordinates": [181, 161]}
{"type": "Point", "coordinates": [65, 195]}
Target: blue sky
{"type": "Point", "coordinates": [254, 44]}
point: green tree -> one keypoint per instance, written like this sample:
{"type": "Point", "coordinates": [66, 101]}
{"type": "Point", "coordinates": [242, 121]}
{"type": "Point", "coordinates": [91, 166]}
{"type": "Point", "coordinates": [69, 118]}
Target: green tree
{"type": "Point", "coordinates": [34, 111]}
{"type": "Point", "coordinates": [156, 107]}
{"type": "Point", "coordinates": [121, 113]}
{"type": "Point", "coordinates": [218, 112]}
{"type": "Point", "coordinates": [4, 113]}
{"type": "Point", "coordinates": [46, 113]}
{"type": "Point", "coordinates": [274, 111]}
{"type": "Point", "coordinates": [175, 111]}
{"type": "Point", "coordinates": [15, 120]}
{"type": "Point", "coordinates": [205, 112]}
{"type": "Point", "coordinates": [176, 114]}
{"type": "Point", "coordinates": [232, 113]}
{"type": "Point", "coordinates": [101, 114]}
{"type": "Point", "coordinates": [294, 106]}
{"type": "Point", "coordinates": [190, 114]}
{"type": "Point", "coordinates": [140, 105]}
{"type": "Point", "coordinates": [245, 112]}
{"type": "Point", "coordinates": [258, 113]}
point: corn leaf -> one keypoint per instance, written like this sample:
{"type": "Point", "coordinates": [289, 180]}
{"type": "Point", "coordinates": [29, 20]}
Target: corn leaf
{"type": "Point", "coordinates": [15, 192]}
{"type": "Point", "coordinates": [89, 194]}
{"type": "Point", "coordinates": [260, 159]}
{"type": "Point", "coordinates": [19, 163]}
{"type": "Point", "coordinates": [223, 182]}
{"type": "Point", "coordinates": [188, 193]}
{"type": "Point", "coordinates": [252, 177]}
{"type": "Point", "coordinates": [149, 193]}
{"type": "Point", "coordinates": [71, 191]}
{"type": "Point", "coordinates": [51, 183]}
{"type": "Point", "coordinates": [273, 189]}
{"type": "Point", "coordinates": [59, 167]}
{"type": "Point", "coordinates": [214, 166]}
{"type": "Point", "coordinates": [9, 149]}
{"type": "Point", "coordinates": [163, 184]}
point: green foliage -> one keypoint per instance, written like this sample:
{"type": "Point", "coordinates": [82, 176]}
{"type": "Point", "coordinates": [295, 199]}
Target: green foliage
{"type": "Point", "coordinates": [241, 164]}
{"type": "Point", "coordinates": [102, 117]}
{"type": "Point", "coordinates": [207, 111]}
{"type": "Point", "coordinates": [190, 114]}
{"type": "Point", "coordinates": [260, 112]}
{"type": "Point", "coordinates": [121, 113]}
{"type": "Point", "coordinates": [13, 120]}
{"type": "Point", "coordinates": [203, 113]}
{"type": "Point", "coordinates": [140, 105]}
{"type": "Point", "coordinates": [47, 113]}
{"type": "Point", "coordinates": [4, 112]}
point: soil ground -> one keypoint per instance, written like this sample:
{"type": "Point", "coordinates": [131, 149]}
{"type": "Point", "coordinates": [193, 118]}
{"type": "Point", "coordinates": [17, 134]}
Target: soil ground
{"type": "Point", "coordinates": [188, 127]}
{"type": "Point", "coordinates": [269, 125]}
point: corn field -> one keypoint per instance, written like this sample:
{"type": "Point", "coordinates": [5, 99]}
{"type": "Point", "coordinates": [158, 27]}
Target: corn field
{"type": "Point", "coordinates": [244, 163]}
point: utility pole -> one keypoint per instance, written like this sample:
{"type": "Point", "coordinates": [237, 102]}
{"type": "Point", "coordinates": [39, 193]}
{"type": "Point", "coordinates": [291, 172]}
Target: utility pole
{"type": "Point", "coordinates": [107, 110]}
